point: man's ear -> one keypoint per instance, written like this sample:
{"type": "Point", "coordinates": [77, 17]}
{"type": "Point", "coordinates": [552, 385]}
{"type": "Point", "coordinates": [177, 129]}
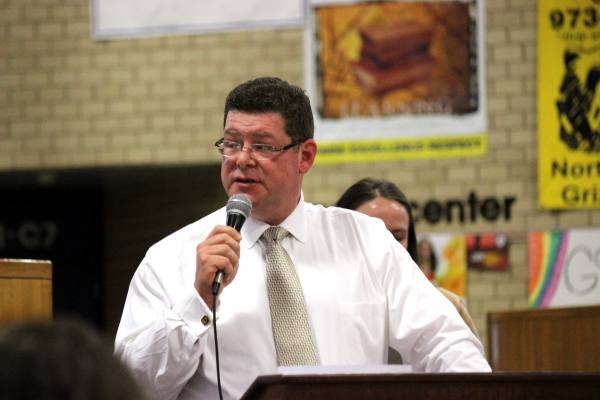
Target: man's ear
{"type": "Point", "coordinates": [307, 154]}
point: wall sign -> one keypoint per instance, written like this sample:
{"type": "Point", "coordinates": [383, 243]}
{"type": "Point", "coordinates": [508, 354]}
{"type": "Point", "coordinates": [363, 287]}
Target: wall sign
{"type": "Point", "coordinates": [564, 268]}
{"type": "Point", "coordinates": [569, 104]}
{"type": "Point", "coordinates": [131, 18]}
{"type": "Point", "coordinates": [471, 209]}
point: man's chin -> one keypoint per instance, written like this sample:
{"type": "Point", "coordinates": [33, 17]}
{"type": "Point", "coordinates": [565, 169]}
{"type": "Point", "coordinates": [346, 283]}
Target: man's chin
{"type": "Point", "coordinates": [249, 193]}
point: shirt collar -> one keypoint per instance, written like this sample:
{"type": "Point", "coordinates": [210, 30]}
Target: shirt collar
{"type": "Point", "coordinates": [295, 224]}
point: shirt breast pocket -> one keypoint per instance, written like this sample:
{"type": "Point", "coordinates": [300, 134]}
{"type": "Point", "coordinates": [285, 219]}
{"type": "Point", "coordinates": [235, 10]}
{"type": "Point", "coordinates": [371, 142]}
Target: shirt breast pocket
{"type": "Point", "coordinates": [364, 333]}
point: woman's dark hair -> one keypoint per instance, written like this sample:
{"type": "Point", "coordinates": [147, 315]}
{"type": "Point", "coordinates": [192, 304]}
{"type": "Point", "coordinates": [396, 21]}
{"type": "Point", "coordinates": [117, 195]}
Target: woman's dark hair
{"type": "Point", "coordinates": [369, 188]}
{"type": "Point", "coordinates": [432, 257]}
{"type": "Point", "coordinates": [61, 360]}
{"type": "Point", "coordinates": [268, 94]}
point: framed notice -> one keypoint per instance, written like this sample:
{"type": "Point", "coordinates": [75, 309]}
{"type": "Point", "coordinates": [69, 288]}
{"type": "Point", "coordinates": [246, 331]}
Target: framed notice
{"type": "Point", "coordinates": [397, 79]}
{"type": "Point", "coordinates": [569, 103]}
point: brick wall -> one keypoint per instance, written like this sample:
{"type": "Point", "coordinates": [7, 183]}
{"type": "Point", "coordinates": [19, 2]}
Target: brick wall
{"type": "Point", "coordinates": [68, 101]}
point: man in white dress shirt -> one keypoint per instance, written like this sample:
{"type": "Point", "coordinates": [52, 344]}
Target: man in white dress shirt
{"type": "Point", "coordinates": [362, 290]}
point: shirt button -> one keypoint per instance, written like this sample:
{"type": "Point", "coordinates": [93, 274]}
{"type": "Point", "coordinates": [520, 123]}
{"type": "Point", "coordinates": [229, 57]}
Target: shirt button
{"type": "Point", "coordinates": [205, 320]}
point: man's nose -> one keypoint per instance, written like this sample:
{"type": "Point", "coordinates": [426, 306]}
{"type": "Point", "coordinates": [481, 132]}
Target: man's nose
{"type": "Point", "coordinates": [245, 157]}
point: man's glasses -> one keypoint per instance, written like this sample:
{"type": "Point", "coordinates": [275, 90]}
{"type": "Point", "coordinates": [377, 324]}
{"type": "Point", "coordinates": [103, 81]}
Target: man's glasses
{"type": "Point", "coordinates": [260, 151]}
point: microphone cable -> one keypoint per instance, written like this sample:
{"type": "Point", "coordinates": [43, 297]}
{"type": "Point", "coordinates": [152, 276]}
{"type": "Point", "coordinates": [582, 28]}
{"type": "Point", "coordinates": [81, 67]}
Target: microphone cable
{"type": "Point", "coordinates": [238, 209]}
{"type": "Point", "coordinates": [214, 312]}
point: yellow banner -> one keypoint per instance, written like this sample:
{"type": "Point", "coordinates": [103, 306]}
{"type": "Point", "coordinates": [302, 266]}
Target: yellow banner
{"type": "Point", "coordinates": [569, 103]}
{"type": "Point", "coordinates": [405, 149]}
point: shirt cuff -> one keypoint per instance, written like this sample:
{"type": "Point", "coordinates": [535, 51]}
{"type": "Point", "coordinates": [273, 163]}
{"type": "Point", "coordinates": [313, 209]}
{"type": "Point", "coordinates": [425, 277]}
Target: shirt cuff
{"type": "Point", "coordinates": [193, 311]}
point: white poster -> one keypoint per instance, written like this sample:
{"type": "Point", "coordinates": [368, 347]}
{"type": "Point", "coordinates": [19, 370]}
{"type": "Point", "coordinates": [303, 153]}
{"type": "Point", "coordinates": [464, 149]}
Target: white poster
{"type": "Point", "coordinates": [137, 18]}
{"type": "Point", "coordinates": [564, 268]}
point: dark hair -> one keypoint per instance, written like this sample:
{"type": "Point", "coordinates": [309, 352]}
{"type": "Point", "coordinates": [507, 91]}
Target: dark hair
{"type": "Point", "coordinates": [432, 257]}
{"type": "Point", "coordinates": [267, 94]}
{"type": "Point", "coordinates": [367, 189]}
{"type": "Point", "coordinates": [61, 360]}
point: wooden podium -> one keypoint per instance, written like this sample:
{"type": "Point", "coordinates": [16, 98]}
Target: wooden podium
{"type": "Point", "coordinates": [25, 290]}
{"type": "Point", "coordinates": [553, 339]}
{"type": "Point", "coordinates": [418, 386]}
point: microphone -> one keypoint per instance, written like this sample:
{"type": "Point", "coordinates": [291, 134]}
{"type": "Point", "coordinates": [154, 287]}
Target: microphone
{"type": "Point", "coordinates": [238, 209]}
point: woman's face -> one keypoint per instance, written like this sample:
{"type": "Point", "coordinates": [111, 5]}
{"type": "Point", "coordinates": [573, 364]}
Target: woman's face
{"type": "Point", "coordinates": [425, 249]}
{"type": "Point", "coordinates": [393, 214]}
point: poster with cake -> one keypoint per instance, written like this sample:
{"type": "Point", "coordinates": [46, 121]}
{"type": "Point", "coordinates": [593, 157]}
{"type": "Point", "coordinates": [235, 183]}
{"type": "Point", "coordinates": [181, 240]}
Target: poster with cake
{"type": "Point", "coordinates": [398, 79]}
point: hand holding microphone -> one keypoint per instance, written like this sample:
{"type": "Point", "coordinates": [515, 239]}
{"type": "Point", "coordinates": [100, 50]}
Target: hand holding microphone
{"type": "Point", "coordinates": [218, 255]}
{"type": "Point", "coordinates": [238, 209]}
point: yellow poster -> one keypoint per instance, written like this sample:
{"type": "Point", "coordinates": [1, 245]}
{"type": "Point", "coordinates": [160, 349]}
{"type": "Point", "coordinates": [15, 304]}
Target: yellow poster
{"type": "Point", "coordinates": [569, 103]}
{"type": "Point", "coordinates": [443, 259]}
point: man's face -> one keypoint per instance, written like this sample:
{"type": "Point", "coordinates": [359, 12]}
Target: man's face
{"type": "Point", "coordinates": [273, 185]}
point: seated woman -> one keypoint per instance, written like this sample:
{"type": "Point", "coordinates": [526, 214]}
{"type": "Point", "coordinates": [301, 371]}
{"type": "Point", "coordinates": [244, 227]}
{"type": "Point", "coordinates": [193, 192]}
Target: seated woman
{"type": "Point", "coordinates": [382, 199]}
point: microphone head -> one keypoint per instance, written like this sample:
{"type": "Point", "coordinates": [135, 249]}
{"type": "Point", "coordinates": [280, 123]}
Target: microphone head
{"type": "Point", "coordinates": [239, 204]}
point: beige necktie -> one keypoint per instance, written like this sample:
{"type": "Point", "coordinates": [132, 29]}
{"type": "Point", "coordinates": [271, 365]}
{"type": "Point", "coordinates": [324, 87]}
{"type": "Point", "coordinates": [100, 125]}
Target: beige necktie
{"type": "Point", "coordinates": [291, 328]}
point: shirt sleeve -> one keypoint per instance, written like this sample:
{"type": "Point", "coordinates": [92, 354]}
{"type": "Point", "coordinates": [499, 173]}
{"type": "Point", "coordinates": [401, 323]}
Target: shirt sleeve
{"type": "Point", "coordinates": [162, 337]}
{"type": "Point", "coordinates": [460, 306]}
{"type": "Point", "coordinates": [424, 327]}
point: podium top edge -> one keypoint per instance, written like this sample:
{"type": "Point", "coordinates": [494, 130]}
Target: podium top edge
{"type": "Point", "coordinates": [25, 268]}
{"type": "Point", "coordinates": [442, 376]}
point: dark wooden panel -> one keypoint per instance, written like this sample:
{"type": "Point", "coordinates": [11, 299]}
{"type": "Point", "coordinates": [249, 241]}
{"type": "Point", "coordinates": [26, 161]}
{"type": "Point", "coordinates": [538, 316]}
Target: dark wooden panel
{"type": "Point", "coordinates": [558, 339]}
{"type": "Point", "coordinates": [497, 386]}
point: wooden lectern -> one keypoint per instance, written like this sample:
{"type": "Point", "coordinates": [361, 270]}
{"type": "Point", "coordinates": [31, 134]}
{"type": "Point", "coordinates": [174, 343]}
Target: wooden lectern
{"type": "Point", "coordinates": [418, 386]}
{"type": "Point", "coordinates": [554, 339]}
{"type": "Point", "coordinates": [25, 290]}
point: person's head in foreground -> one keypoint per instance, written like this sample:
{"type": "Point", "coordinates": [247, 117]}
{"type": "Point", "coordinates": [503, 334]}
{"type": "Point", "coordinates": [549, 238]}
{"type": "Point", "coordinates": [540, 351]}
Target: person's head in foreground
{"type": "Point", "coordinates": [61, 360]}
